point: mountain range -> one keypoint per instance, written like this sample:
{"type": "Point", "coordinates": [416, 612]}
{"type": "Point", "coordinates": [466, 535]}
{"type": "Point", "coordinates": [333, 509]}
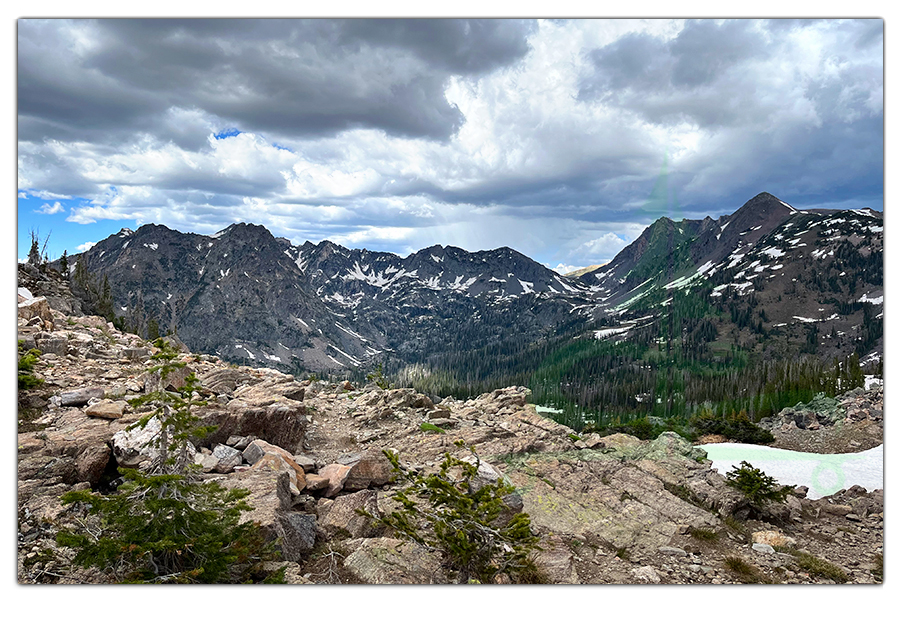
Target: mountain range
{"type": "Point", "coordinates": [768, 278]}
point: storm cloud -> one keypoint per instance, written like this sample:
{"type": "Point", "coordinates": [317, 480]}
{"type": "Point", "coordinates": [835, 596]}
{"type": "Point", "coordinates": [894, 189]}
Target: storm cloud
{"type": "Point", "coordinates": [394, 134]}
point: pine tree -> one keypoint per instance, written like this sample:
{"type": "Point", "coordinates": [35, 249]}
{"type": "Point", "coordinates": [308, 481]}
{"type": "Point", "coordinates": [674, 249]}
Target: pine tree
{"type": "Point", "coordinates": [34, 254]}
{"type": "Point", "coordinates": [166, 525]}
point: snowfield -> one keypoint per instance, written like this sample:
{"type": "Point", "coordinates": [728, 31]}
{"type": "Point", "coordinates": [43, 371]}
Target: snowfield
{"type": "Point", "coordinates": [823, 474]}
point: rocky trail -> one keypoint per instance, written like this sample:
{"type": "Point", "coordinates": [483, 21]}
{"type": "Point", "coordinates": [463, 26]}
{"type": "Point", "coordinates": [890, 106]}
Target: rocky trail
{"type": "Point", "coordinates": [612, 509]}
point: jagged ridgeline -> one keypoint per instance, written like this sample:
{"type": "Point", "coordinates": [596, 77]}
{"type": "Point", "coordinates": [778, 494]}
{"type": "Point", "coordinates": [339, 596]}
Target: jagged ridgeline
{"type": "Point", "coordinates": [753, 311]}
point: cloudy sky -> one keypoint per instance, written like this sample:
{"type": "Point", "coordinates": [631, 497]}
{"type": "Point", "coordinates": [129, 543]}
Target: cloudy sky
{"type": "Point", "coordinates": [561, 139]}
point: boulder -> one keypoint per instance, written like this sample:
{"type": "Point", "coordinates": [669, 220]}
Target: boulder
{"type": "Point", "coordinates": [173, 381]}
{"type": "Point", "coordinates": [340, 519]}
{"type": "Point", "coordinates": [270, 495]}
{"type": "Point", "coordinates": [139, 445]}
{"type": "Point", "coordinates": [671, 550]}
{"type": "Point", "coordinates": [227, 458]}
{"type": "Point", "coordinates": [225, 380]}
{"type": "Point", "coordinates": [308, 464]}
{"type": "Point", "coordinates": [315, 482]}
{"type": "Point", "coordinates": [773, 538]}
{"type": "Point", "coordinates": [371, 469]}
{"type": "Point", "coordinates": [137, 353]}
{"type": "Point", "coordinates": [239, 443]}
{"type": "Point", "coordinates": [486, 474]}
{"type": "Point", "coordinates": [80, 397]}
{"type": "Point", "coordinates": [336, 474]}
{"type": "Point", "coordinates": [297, 532]}
{"type": "Point", "coordinates": [91, 463]}
{"type": "Point", "coordinates": [556, 562]}
{"type": "Point", "coordinates": [255, 450]}
{"type": "Point", "coordinates": [646, 574]}
{"type": "Point", "coordinates": [275, 461]}
{"type": "Point", "coordinates": [280, 421]}
{"type": "Point", "coordinates": [392, 561]}
{"type": "Point", "coordinates": [52, 470]}
{"type": "Point", "coordinates": [107, 409]}
{"type": "Point", "coordinates": [47, 343]}
{"type": "Point", "coordinates": [206, 462]}
{"type": "Point", "coordinates": [272, 390]}
{"type": "Point", "coordinates": [35, 308]}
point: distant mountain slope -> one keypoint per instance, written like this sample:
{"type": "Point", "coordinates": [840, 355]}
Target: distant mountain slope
{"type": "Point", "coordinates": [767, 277]}
{"type": "Point", "coordinates": [246, 295]}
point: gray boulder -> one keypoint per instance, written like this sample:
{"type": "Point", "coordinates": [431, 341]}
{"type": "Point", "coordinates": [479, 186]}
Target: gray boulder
{"type": "Point", "coordinates": [80, 397]}
{"type": "Point", "coordinates": [297, 532]}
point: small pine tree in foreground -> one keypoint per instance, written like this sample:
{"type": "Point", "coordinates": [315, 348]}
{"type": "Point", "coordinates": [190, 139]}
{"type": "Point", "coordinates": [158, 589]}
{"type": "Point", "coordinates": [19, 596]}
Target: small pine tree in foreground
{"type": "Point", "coordinates": [167, 525]}
{"type": "Point", "coordinates": [445, 514]}
{"type": "Point", "coordinates": [174, 412]}
{"type": "Point", "coordinates": [170, 529]}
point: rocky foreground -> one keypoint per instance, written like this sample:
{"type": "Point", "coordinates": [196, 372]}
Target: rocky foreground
{"type": "Point", "coordinates": [609, 509]}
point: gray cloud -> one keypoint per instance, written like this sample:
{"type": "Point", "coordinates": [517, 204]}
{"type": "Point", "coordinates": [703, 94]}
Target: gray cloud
{"type": "Point", "coordinates": [546, 136]}
{"type": "Point", "coordinates": [294, 78]}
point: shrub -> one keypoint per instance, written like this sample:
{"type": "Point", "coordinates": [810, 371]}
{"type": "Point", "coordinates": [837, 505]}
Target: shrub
{"type": "Point", "coordinates": [27, 360]}
{"type": "Point", "coordinates": [878, 570]}
{"type": "Point", "coordinates": [170, 529]}
{"type": "Point", "coordinates": [466, 526]}
{"type": "Point", "coordinates": [377, 376]}
{"type": "Point", "coordinates": [641, 428]}
{"type": "Point", "coordinates": [736, 426]}
{"type": "Point", "coordinates": [758, 487]}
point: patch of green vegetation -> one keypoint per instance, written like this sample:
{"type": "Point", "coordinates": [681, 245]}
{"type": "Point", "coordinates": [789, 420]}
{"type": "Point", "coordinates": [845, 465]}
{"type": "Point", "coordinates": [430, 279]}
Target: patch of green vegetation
{"type": "Point", "coordinates": [168, 529]}
{"type": "Point", "coordinates": [737, 527]}
{"type": "Point", "coordinates": [746, 572]}
{"type": "Point", "coordinates": [27, 360]}
{"type": "Point", "coordinates": [735, 426]}
{"type": "Point", "coordinates": [704, 534]}
{"type": "Point", "coordinates": [819, 567]}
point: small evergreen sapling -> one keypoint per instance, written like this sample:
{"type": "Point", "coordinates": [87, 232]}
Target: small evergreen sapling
{"type": "Point", "coordinates": [758, 487]}
{"type": "Point", "coordinates": [174, 412]}
{"type": "Point", "coordinates": [446, 514]}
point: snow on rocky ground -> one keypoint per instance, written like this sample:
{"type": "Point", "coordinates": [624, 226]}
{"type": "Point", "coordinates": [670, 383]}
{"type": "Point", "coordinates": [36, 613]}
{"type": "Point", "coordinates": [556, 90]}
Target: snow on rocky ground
{"type": "Point", "coordinates": [822, 474]}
